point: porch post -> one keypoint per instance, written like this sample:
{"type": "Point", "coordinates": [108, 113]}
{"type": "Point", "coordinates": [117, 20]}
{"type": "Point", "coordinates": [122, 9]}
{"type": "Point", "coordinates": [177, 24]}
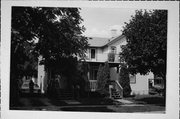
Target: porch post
{"type": "Point", "coordinates": [88, 75]}
{"type": "Point", "coordinates": [88, 85]}
{"type": "Point", "coordinates": [110, 91]}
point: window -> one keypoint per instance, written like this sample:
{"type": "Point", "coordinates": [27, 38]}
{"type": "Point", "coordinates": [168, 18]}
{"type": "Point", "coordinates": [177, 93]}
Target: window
{"type": "Point", "coordinates": [93, 51]}
{"type": "Point", "coordinates": [132, 79]}
{"type": "Point", "coordinates": [113, 49]}
{"type": "Point", "coordinates": [157, 81]}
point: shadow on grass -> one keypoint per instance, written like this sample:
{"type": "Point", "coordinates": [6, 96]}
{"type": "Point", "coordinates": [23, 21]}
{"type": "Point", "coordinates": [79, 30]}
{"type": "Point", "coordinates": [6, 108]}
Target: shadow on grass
{"type": "Point", "coordinates": [159, 101]}
{"type": "Point", "coordinates": [95, 101]}
{"type": "Point", "coordinates": [37, 103]}
{"type": "Point", "coordinates": [57, 102]}
{"type": "Point", "coordinates": [16, 103]}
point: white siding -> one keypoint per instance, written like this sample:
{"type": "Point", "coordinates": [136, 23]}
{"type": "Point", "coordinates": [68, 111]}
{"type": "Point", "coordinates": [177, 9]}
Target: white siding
{"type": "Point", "coordinates": [141, 85]}
{"type": "Point", "coordinates": [118, 45]}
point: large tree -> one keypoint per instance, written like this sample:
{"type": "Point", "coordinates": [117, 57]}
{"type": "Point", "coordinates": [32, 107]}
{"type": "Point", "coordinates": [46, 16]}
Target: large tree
{"type": "Point", "coordinates": [56, 32]}
{"type": "Point", "coordinates": [53, 33]}
{"type": "Point", "coordinates": [146, 47]}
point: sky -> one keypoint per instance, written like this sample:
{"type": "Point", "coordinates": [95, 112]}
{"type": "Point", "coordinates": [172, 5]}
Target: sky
{"type": "Point", "coordinates": [100, 21]}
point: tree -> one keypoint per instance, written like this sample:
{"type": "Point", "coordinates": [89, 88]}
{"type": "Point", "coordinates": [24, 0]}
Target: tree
{"type": "Point", "coordinates": [103, 76]}
{"type": "Point", "coordinates": [81, 76]}
{"type": "Point", "coordinates": [100, 77]}
{"type": "Point", "coordinates": [146, 47]}
{"type": "Point", "coordinates": [53, 33]}
{"type": "Point", "coordinates": [124, 80]}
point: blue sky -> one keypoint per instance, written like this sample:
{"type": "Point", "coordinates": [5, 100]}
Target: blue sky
{"type": "Point", "coordinates": [99, 21]}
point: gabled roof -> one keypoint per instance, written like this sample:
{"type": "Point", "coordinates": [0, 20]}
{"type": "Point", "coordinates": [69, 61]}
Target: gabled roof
{"type": "Point", "coordinates": [115, 39]}
{"type": "Point", "coordinates": [97, 42]}
{"type": "Point", "coordinates": [102, 42]}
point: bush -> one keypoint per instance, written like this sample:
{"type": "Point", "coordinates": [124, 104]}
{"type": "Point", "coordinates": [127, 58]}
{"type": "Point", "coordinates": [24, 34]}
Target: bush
{"type": "Point", "coordinates": [125, 81]}
{"type": "Point", "coordinates": [103, 76]}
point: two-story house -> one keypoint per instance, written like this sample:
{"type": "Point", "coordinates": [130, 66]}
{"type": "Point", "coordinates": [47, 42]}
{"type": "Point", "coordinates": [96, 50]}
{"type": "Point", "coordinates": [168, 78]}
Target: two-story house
{"type": "Point", "coordinates": [99, 49]}
{"type": "Point", "coordinates": [97, 54]}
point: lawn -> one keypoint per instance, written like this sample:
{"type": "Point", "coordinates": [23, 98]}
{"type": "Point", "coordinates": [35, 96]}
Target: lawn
{"type": "Point", "coordinates": [141, 103]}
{"type": "Point", "coordinates": [146, 103]}
{"type": "Point", "coordinates": [148, 99]}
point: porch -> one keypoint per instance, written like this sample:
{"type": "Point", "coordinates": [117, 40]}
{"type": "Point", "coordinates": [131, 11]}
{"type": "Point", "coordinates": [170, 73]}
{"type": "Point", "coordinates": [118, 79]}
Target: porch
{"type": "Point", "coordinates": [92, 74]}
{"type": "Point", "coordinates": [115, 90]}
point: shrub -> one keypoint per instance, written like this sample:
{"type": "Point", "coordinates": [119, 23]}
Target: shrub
{"type": "Point", "coordinates": [103, 76]}
{"type": "Point", "coordinates": [125, 81]}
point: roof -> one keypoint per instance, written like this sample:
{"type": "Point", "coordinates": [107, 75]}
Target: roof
{"type": "Point", "coordinates": [97, 42]}
{"type": "Point", "coordinates": [101, 42]}
{"type": "Point", "coordinates": [113, 40]}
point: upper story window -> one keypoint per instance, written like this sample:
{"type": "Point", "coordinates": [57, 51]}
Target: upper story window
{"type": "Point", "coordinates": [93, 53]}
{"type": "Point", "coordinates": [113, 49]}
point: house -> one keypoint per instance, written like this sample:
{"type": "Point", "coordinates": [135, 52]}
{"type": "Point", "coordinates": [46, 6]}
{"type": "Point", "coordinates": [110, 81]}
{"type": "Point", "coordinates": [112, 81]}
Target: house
{"type": "Point", "coordinates": [97, 53]}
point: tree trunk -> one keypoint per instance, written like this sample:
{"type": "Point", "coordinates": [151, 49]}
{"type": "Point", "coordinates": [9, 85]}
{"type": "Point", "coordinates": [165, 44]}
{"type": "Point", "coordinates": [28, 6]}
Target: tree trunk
{"type": "Point", "coordinates": [164, 79]}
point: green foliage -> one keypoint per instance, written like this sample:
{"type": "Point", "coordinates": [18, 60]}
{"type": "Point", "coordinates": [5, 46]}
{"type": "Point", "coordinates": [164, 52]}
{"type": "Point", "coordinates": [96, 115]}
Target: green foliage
{"type": "Point", "coordinates": [124, 80]}
{"type": "Point", "coordinates": [146, 47]}
{"type": "Point", "coordinates": [54, 33]}
{"type": "Point", "coordinates": [103, 76]}
{"type": "Point", "coordinates": [81, 76]}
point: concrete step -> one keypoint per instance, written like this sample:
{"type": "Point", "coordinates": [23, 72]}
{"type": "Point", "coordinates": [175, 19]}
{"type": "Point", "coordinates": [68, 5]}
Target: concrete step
{"type": "Point", "coordinates": [116, 95]}
{"type": "Point", "coordinates": [63, 95]}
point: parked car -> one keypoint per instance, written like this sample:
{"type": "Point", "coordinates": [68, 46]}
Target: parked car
{"type": "Point", "coordinates": [157, 90]}
{"type": "Point", "coordinates": [25, 88]}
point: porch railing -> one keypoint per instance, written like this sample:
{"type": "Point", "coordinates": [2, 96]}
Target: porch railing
{"type": "Point", "coordinates": [102, 57]}
{"type": "Point", "coordinates": [93, 85]}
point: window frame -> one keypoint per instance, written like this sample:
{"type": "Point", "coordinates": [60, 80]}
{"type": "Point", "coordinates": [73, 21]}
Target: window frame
{"type": "Point", "coordinates": [94, 53]}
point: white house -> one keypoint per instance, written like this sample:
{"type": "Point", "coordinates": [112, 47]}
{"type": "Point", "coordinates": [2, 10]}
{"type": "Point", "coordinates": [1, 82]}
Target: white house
{"type": "Point", "coordinates": [97, 54]}
{"type": "Point", "coordinates": [98, 51]}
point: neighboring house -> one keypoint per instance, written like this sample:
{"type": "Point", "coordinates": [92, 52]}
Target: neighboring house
{"type": "Point", "coordinates": [97, 54]}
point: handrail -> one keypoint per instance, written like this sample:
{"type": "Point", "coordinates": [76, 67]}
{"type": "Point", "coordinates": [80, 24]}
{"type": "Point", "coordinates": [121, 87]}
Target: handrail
{"type": "Point", "coordinates": [119, 88]}
{"type": "Point", "coordinates": [119, 85]}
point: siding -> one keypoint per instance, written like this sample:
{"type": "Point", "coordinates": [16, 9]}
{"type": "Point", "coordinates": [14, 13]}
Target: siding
{"type": "Point", "coordinates": [141, 86]}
